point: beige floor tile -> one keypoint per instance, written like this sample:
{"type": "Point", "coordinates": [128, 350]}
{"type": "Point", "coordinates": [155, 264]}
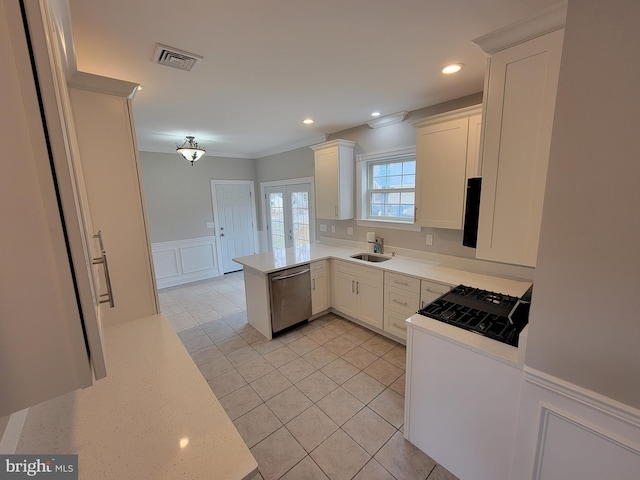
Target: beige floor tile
{"type": "Point", "coordinates": [222, 334]}
{"type": "Point", "coordinates": [399, 385]}
{"type": "Point", "coordinates": [280, 356]}
{"type": "Point", "coordinates": [340, 405]}
{"type": "Point", "coordinates": [181, 321]}
{"type": "Point", "coordinates": [289, 404]}
{"type": "Point", "coordinates": [252, 336]}
{"type": "Point", "coordinates": [290, 336]}
{"type": "Point", "coordinates": [360, 358]}
{"type": "Point", "coordinates": [358, 335]}
{"type": "Point", "coordinates": [311, 428]}
{"type": "Point", "coordinates": [255, 369]}
{"type": "Point", "coordinates": [339, 371]}
{"type": "Point", "coordinates": [242, 355]}
{"type": "Point", "coordinates": [341, 326]}
{"type": "Point", "coordinates": [240, 402]}
{"type": "Point", "coordinates": [263, 345]}
{"type": "Point", "coordinates": [302, 345]}
{"type": "Point", "coordinates": [297, 369]}
{"type": "Point", "coordinates": [206, 355]}
{"type": "Point", "coordinates": [369, 430]}
{"type": "Point", "coordinates": [215, 368]}
{"type": "Point", "coordinates": [316, 386]}
{"type": "Point", "coordinates": [322, 335]}
{"type": "Point", "coordinates": [397, 356]}
{"type": "Point", "coordinates": [197, 343]}
{"type": "Point", "coordinates": [306, 469]}
{"type": "Point", "coordinates": [270, 385]}
{"type": "Point", "coordinates": [320, 357]}
{"type": "Point", "coordinates": [257, 424]}
{"type": "Point", "coordinates": [226, 383]}
{"type": "Point", "coordinates": [190, 333]}
{"type": "Point", "coordinates": [403, 460]}
{"type": "Point", "coordinates": [277, 454]}
{"type": "Point", "coordinates": [339, 345]}
{"type": "Point", "coordinates": [231, 343]}
{"type": "Point", "coordinates": [363, 387]}
{"type": "Point", "coordinates": [441, 473]}
{"type": "Point", "coordinates": [198, 307]}
{"type": "Point", "coordinates": [379, 345]}
{"type": "Point", "coordinates": [373, 471]}
{"type": "Point", "coordinates": [339, 457]}
{"type": "Point", "coordinates": [390, 406]}
{"type": "Point", "coordinates": [213, 326]}
{"type": "Point", "coordinates": [383, 371]}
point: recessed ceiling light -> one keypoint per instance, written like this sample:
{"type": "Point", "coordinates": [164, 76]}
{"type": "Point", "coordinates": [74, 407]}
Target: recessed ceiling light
{"type": "Point", "coordinates": [452, 68]}
{"type": "Point", "coordinates": [307, 121]}
{"type": "Point", "coordinates": [375, 114]}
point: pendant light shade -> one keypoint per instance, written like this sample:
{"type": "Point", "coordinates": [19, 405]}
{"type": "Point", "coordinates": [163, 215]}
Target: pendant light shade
{"type": "Point", "coordinates": [190, 150]}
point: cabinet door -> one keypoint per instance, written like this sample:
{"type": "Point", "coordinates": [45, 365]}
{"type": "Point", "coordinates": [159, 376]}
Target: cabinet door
{"type": "Point", "coordinates": [327, 183]}
{"type": "Point", "coordinates": [370, 300]}
{"type": "Point", "coordinates": [519, 112]}
{"type": "Point", "coordinates": [319, 291]}
{"type": "Point", "coordinates": [344, 289]}
{"type": "Point", "coordinates": [441, 153]}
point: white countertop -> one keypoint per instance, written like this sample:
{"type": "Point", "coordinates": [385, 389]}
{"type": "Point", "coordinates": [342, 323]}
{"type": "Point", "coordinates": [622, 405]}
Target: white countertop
{"type": "Point", "coordinates": [272, 261]}
{"type": "Point", "coordinates": [153, 416]}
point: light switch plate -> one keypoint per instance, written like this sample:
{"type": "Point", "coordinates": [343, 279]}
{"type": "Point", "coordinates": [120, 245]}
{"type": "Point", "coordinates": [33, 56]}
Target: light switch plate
{"type": "Point", "coordinates": [349, 230]}
{"type": "Point", "coordinates": [333, 229]}
{"type": "Point", "coordinates": [323, 227]}
{"type": "Point", "coordinates": [429, 239]}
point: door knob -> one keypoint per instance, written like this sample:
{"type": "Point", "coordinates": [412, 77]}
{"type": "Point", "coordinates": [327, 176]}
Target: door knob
{"type": "Point", "coordinates": [222, 234]}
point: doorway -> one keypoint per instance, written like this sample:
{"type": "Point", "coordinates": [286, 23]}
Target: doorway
{"type": "Point", "coordinates": [235, 219]}
{"type": "Point", "coordinates": [289, 213]}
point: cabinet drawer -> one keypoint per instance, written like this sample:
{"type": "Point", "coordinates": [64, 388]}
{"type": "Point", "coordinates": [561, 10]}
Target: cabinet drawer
{"type": "Point", "coordinates": [318, 269]}
{"type": "Point", "coordinates": [395, 323]}
{"type": "Point", "coordinates": [370, 273]}
{"type": "Point", "coordinates": [431, 290]}
{"type": "Point", "coordinates": [410, 284]}
{"type": "Point", "coordinates": [401, 300]}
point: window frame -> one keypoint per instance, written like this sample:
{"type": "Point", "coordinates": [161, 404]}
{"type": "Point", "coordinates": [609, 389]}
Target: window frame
{"type": "Point", "coordinates": [365, 162]}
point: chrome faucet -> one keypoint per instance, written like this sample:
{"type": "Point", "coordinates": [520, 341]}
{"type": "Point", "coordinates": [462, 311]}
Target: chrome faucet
{"type": "Point", "coordinates": [378, 245]}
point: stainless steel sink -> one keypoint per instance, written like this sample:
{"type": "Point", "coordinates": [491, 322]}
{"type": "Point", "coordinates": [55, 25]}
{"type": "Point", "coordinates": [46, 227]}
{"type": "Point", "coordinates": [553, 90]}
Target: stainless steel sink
{"type": "Point", "coordinates": [370, 257]}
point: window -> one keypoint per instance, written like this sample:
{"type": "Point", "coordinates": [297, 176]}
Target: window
{"type": "Point", "coordinates": [390, 189]}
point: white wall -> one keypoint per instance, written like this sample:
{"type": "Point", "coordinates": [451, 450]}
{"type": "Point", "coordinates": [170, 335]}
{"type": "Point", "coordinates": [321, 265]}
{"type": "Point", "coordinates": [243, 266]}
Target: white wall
{"type": "Point", "coordinates": [584, 325]}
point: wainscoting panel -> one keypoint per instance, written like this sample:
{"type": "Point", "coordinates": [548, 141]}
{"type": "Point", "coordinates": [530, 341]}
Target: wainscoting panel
{"type": "Point", "coordinates": [183, 261]}
{"type": "Point", "coordinates": [566, 432]}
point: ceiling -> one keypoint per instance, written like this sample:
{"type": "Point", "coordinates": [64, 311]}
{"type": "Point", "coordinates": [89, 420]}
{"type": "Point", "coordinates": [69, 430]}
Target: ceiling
{"type": "Point", "coordinates": [269, 64]}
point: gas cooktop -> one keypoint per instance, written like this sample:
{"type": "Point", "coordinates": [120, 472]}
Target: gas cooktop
{"type": "Point", "coordinates": [493, 315]}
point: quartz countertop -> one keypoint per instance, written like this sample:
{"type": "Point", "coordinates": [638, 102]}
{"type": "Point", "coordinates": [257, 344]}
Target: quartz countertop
{"type": "Point", "coordinates": [153, 416]}
{"type": "Point", "coordinates": [283, 258]}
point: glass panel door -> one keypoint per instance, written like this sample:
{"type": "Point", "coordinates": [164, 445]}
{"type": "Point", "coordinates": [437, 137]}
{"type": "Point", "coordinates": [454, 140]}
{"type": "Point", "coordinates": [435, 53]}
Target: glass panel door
{"type": "Point", "coordinates": [288, 215]}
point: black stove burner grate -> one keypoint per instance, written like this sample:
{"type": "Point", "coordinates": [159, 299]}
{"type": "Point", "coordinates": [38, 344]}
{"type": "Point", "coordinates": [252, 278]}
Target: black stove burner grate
{"type": "Point", "coordinates": [479, 311]}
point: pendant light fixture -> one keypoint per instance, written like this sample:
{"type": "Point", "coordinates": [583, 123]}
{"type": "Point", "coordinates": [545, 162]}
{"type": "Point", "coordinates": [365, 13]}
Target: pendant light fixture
{"type": "Point", "coordinates": [190, 150]}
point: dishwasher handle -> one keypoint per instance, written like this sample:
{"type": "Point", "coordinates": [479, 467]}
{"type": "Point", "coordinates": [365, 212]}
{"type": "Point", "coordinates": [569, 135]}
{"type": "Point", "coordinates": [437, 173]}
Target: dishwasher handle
{"type": "Point", "coordinates": [282, 277]}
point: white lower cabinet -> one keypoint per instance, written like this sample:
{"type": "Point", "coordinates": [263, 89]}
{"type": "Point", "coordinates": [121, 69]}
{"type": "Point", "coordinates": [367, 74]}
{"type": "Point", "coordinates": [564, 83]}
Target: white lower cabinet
{"type": "Point", "coordinates": [358, 292]}
{"type": "Point", "coordinates": [401, 300]}
{"type": "Point", "coordinates": [319, 287]}
{"type": "Point", "coordinates": [456, 396]}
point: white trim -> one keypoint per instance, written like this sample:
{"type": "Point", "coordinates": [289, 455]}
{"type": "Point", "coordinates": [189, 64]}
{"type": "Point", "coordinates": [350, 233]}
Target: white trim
{"type": "Point", "coordinates": [389, 153]}
{"type": "Point", "coordinates": [174, 261]}
{"type": "Point", "coordinates": [550, 19]}
{"type": "Point", "coordinates": [388, 120]}
{"type": "Point", "coordinates": [586, 397]}
{"type": "Point", "coordinates": [292, 146]}
{"type": "Point", "coordinates": [409, 227]}
{"type": "Point", "coordinates": [452, 115]}
{"type": "Point", "coordinates": [254, 220]}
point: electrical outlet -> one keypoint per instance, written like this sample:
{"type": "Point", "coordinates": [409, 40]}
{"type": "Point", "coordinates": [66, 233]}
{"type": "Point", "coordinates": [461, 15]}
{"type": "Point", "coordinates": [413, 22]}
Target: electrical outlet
{"type": "Point", "coordinates": [429, 240]}
{"type": "Point", "coordinates": [210, 225]}
{"type": "Point", "coordinates": [333, 229]}
{"type": "Point", "coordinates": [323, 227]}
{"type": "Point", "coordinates": [349, 230]}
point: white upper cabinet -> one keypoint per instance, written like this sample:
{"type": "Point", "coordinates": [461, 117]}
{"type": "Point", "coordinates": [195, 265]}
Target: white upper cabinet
{"type": "Point", "coordinates": [335, 177]}
{"type": "Point", "coordinates": [447, 148]}
{"type": "Point", "coordinates": [519, 103]}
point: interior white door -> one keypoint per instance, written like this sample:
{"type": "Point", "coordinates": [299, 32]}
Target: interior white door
{"type": "Point", "coordinates": [288, 215]}
{"type": "Point", "coordinates": [235, 228]}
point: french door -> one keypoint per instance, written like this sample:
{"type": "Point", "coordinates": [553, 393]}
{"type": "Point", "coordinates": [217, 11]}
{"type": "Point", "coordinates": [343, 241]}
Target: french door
{"type": "Point", "coordinates": [289, 215]}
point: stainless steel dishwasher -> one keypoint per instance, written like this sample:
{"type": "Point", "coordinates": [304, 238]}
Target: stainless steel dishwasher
{"type": "Point", "coordinates": [290, 297]}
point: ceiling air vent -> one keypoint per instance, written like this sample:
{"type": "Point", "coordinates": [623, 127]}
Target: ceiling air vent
{"type": "Point", "coordinates": [174, 57]}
